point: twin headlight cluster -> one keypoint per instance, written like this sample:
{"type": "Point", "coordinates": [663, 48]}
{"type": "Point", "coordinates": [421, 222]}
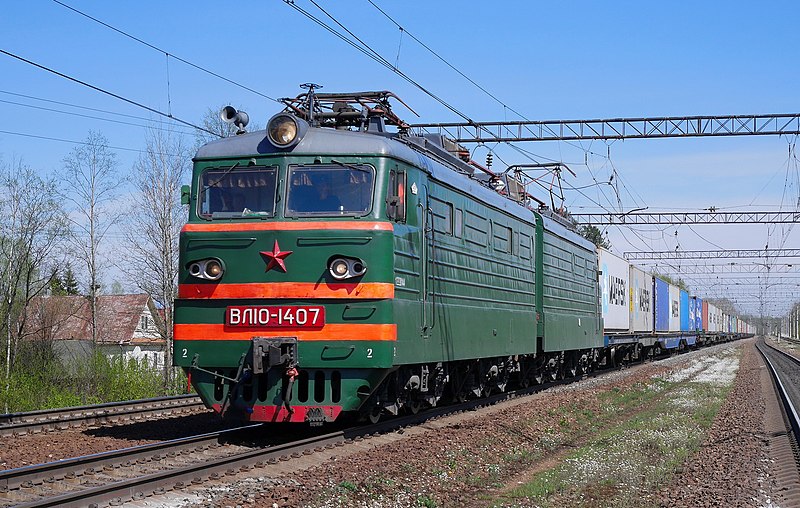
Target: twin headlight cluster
{"type": "Point", "coordinates": [340, 268]}
{"type": "Point", "coordinates": [207, 269]}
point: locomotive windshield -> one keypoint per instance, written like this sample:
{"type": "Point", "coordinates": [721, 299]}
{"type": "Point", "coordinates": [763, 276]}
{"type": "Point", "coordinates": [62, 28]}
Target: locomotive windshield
{"type": "Point", "coordinates": [330, 190]}
{"type": "Point", "coordinates": [231, 192]}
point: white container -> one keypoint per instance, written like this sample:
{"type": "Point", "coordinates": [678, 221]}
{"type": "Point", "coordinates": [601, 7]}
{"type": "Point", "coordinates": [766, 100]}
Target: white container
{"type": "Point", "coordinates": [614, 291]}
{"type": "Point", "coordinates": [674, 308]}
{"type": "Point", "coordinates": [714, 319]}
{"type": "Point", "coordinates": [641, 300]}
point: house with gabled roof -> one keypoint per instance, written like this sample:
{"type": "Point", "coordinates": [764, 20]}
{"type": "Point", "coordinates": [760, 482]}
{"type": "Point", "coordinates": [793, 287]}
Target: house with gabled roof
{"type": "Point", "coordinates": [129, 326]}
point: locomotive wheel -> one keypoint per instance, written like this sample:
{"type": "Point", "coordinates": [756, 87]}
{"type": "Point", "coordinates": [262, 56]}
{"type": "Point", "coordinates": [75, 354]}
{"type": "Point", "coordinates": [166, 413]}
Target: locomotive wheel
{"type": "Point", "coordinates": [552, 369]}
{"type": "Point", "coordinates": [374, 416]}
{"type": "Point", "coordinates": [571, 367]}
{"type": "Point", "coordinates": [413, 406]}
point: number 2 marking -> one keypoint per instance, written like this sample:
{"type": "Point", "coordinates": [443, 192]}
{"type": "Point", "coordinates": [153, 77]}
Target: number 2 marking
{"type": "Point", "coordinates": [185, 352]}
{"type": "Point", "coordinates": [369, 352]}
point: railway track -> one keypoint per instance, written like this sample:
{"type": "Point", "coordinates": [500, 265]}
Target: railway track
{"type": "Point", "coordinates": [131, 474]}
{"type": "Point", "coordinates": [785, 370]}
{"type": "Point", "coordinates": [55, 419]}
{"type": "Point", "coordinates": [782, 437]}
{"type": "Point", "coordinates": [137, 473]}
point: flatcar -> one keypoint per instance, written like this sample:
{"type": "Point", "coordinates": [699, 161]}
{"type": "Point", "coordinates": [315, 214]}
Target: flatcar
{"type": "Point", "coordinates": [330, 267]}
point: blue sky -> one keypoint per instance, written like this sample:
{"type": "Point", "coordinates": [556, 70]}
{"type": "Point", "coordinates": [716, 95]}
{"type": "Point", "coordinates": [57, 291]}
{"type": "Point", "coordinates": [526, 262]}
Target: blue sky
{"type": "Point", "coordinates": [547, 60]}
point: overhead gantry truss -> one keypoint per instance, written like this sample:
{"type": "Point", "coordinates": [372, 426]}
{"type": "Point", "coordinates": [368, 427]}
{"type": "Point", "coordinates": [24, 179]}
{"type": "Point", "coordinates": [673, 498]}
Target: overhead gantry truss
{"type": "Point", "coordinates": [656, 218]}
{"type": "Point", "coordinates": [713, 254]}
{"type": "Point", "coordinates": [726, 268]}
{"type": "Point", "coordinates": [615, 128]}
{"type": "Point", "coordinates": [730, 282]}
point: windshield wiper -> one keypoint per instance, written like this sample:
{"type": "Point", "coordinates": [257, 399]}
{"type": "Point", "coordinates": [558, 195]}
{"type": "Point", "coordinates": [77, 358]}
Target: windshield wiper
{"type": "Point", "coordinates": [350, 166]}
{"type": "Point", "coordinates": [227, 171]}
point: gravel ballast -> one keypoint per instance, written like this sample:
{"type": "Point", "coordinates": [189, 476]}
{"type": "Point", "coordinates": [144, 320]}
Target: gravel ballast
{"type": "Point", "coordinates": [506, 455]}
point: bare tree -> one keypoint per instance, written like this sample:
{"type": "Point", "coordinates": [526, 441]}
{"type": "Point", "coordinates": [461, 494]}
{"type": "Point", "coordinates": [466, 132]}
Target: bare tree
{"type": "Point", "coordinates": [34, 225]}
{"type": "Point", "coordinates": [156, 219]}
{"type": "Point", "coordinates": [91, 176]}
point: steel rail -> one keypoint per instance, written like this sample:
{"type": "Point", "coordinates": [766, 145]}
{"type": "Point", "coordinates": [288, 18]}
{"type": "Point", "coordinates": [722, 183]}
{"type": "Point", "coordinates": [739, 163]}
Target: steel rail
{"type": "Point", "coordinates": [791, 412]}
{"type": "Point", "coordinates": [28, 476]}
{"type": "Point", "coordinates": [133, 489]}
{"type": "Point", "coordinates": [34, 421]}
{"type": "Point", "coordinates": [129, 489]}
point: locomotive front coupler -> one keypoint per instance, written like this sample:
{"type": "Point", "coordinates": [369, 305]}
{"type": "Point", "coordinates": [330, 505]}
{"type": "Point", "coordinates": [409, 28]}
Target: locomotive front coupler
{"type": "Point", "coordinates": [273, 352]}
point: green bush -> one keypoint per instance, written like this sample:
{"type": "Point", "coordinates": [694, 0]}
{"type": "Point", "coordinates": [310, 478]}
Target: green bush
{"type": "Point", "coordinates": [44, 381]}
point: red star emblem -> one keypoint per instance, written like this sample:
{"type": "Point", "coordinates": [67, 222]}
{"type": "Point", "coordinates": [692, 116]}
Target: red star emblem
{"type": "Point", "coordinates": [276, 257]}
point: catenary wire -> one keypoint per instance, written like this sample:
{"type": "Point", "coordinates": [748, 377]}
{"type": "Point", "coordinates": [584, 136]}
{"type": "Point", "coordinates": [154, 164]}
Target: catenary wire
{"type": "Point", "coordinates": [373, 54]}
{"type": "Point", "coordinates": [101, 90]}
{"type": "Point", "coordinates": [73, 142]}
{"type": "Point", "coordinates": [168, 54]}
{"type": "Point", "coordinates": [72, 113]}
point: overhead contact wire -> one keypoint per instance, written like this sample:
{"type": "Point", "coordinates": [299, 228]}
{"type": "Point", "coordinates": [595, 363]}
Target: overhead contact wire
{"type": "Point", "coordinates": [156, 48]}
{"type": "Point", "coordinates": [101, 90]}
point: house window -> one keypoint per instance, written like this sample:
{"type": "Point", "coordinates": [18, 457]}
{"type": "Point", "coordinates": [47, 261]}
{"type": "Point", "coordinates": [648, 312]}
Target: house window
{"type": "Point", "coordinates": [144, 323]}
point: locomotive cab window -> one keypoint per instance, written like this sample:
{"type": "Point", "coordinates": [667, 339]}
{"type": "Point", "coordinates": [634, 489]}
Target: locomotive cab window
{"type": "Point", "coordinates": [329, 190]}
{"type": "Point", "coordinates": [396, 198]}
{"type": "Point", "coordinates": [234, 192]}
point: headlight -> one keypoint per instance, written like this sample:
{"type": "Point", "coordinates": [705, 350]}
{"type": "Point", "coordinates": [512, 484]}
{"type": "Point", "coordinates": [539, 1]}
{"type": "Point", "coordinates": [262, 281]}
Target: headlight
{"type": "Point", "coordinates": [207, 269]}
{"type": "Point", "coordinates": [342, 268]}
{"type": "Point", "coordinates": [284, 130]}
{"type": "Point", "coordinates": [213, 269]}
{"type": "Point", "coordinates": [338, 268]}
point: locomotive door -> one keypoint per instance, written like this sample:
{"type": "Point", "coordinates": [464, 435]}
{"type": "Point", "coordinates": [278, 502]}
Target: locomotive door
{"type": "Point", "coordinates": [423, 239]}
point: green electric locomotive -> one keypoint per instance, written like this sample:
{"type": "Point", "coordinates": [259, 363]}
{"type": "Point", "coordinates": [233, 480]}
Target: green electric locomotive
{"type": "Point", "coordinates": [331, 267]}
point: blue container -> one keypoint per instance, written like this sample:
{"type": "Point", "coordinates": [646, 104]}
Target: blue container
{"type": "Point", "coordinates": [698, 314]}
{"type": "Point", "coordinates": [684, 311]}
{"type": "Point", "coordinates": [662, 306]}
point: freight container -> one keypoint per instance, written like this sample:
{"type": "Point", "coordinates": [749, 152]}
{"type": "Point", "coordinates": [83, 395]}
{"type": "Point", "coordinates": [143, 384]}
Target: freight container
{"type": "Point", "coordinates": [698, 313]}
{"type": "Point", "coordinates": [614, 291]}
{"type": "Point", "coordinates": [661, 305]}
{"type": "Point", "coordinates": [685, 313]}
{"type": "Point", "coordinates": [705, 324]}
{"type": "Point", "coordinates": [675, 308]}
{"type": "Point", "coordinates": [712, 326]}
{"type": "Point", "coordinates": [641, 300]}
{"type": "Point", "coordinates": [713, 318]}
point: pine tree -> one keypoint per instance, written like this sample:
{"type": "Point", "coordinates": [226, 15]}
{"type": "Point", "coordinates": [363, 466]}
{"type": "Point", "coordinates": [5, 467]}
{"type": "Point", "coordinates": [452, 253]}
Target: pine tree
{"type": "Point", "coordinates": [594, 235]}
{"type": "Point", "coordinates": [56, 284]}
{"type": "Point", "coordinates": [68, 283]}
